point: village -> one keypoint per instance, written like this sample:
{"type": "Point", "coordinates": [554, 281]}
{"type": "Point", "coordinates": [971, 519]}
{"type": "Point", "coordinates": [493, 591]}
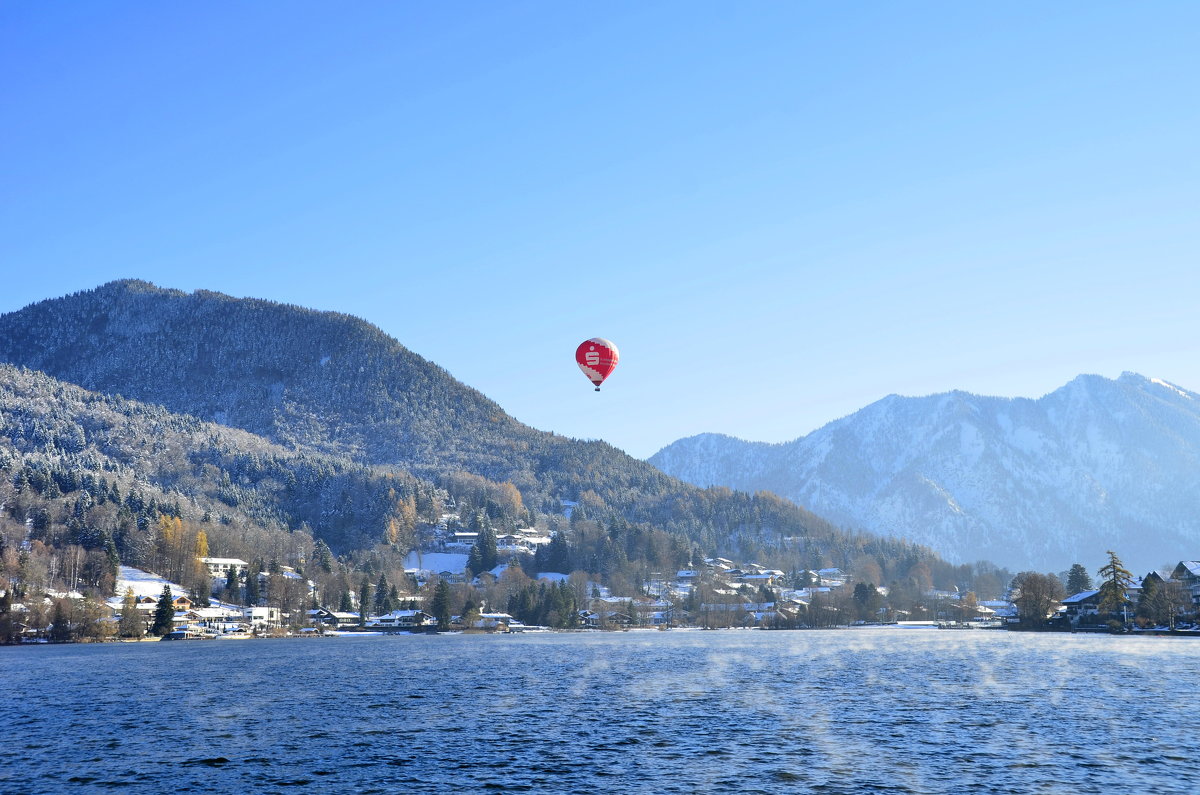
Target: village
{"type": "Point", "coordinates": [719, 594]}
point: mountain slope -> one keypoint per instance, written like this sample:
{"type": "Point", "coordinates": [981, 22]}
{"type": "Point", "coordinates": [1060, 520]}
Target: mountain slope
{"type": "Point", "coordinates": [253, 494]}
{"type": "Point", "coordinates": [317, 380]}
{"type": "Point", "coordinates": [330, 384]}
{"type": "Point", "coordinates": [297, 376]}
{"type": "Point", "coordinates": [1098, 464]}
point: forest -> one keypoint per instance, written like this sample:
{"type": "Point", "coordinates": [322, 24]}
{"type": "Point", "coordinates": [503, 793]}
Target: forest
{"type": "Point", "coordinates": [139, 425]}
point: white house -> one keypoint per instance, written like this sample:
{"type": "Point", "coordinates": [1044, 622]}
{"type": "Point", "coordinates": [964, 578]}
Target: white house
{"type": "Point", "coordinates": [219, 567]}
{"type": "Point", "coordinates": [402, 619]}
{"type": "Point", "coordinates": [259, 617]}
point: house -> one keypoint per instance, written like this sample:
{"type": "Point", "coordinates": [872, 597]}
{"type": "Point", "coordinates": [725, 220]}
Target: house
{"type": "Point", "coordinates": [218, 568]}
{"type": "Point", "coordinates": [496, 622]}
{"type": "Point", "coordinates": [403, 620]}
{"type": "Point", "coordinates": [1080, 606]}
{"type": "Point", "coordinates": [645, 605]}
{"type": "Point", "coordinates": [333, 618]}
{"type": "Point", "coordinates": [215, 619]}
{"type": "Point", "coordinates": [830, 576]}
{"type": "Point", "coordinates": [669, 618]}
{"type": "Point", "coordinates": [1133, 592]}
{"type": "Point", "coordinates": [145, 608]}
{"type": "Point", "coordinates": [1000, 608]}
{"type": "Point", "coordinates": [260, 617]}
{"type": "Point", "coordinates": [1187, 573]}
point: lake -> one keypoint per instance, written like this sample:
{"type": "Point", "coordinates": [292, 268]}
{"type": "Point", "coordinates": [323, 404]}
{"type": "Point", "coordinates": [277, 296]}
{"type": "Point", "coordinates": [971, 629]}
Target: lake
{"type": "Point", "coordinates": [841, 711]}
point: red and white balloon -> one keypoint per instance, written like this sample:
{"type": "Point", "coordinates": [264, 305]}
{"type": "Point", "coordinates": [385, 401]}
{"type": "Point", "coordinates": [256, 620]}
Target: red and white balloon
{"type": "Point", "coordinates": [596, 357]}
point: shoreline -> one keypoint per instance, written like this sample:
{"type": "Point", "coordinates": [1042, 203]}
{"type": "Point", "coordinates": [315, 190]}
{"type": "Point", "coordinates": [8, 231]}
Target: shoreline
{"type": "Point", "coordinates": [1147, 633]}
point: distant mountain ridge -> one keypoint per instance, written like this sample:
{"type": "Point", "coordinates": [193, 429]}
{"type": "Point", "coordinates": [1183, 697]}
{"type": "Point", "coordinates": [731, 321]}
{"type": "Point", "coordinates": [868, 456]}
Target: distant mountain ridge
{"type": "Point", "coordinates": [1097, 464]}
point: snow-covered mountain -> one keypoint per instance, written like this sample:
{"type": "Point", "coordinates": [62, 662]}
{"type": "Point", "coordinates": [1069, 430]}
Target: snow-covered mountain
{"type": "Point", "coordinates": [1097, 464]}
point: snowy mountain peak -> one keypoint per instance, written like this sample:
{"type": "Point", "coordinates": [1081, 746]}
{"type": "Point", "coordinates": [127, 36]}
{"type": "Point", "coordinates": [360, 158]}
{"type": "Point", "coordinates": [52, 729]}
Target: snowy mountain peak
{"type": "Point", "coordinates": [1183, 393]}
{"type": "Point", "coordinates": [1029, 483]}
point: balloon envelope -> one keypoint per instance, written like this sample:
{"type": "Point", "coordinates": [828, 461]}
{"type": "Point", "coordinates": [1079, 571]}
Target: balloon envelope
{"type": "Point", "coordinates": [596, 357]}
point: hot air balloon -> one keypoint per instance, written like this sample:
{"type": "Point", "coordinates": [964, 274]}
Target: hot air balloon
{"type": "Point", "coordinates": [596, 357]}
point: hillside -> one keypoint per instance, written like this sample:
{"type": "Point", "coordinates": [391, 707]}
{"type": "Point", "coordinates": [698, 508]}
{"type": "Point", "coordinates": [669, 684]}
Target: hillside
{"type": "Point", "coordinates": [1098, 464]}
{"type": "Point", "coordinates": [326, 384]}
{"type": "Point", "coordinates": [315, 380]}
{"type": "Point", "coordinates": [66, 452]}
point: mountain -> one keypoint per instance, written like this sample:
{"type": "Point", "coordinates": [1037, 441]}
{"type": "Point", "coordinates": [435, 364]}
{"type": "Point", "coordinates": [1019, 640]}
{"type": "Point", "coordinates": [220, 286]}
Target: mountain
{"type": "Point", "coordinates": [326, 384]}
{"type": "Point", "coordinates": [65, 451]}
{"type": "Point", "coordinates": [1097, 464]}
{"type": "Point", "coordinates": [320, 380]}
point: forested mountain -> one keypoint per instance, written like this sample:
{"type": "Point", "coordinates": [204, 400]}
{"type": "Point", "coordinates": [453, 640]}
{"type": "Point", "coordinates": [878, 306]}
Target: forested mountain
{"type": "Point", "coordinates": [314, 380]}
{"type": "Point", "coordinates": [1098, 464]}
{"type": "Point", "coordinates": [326, 397]}
{"type": "Point", "coordinates": [56, 433]}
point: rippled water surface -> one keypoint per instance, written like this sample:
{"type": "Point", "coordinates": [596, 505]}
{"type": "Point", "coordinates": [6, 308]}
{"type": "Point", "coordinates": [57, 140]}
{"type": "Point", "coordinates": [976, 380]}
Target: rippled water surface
{"type": "Point", "coordinates": [852, 711]}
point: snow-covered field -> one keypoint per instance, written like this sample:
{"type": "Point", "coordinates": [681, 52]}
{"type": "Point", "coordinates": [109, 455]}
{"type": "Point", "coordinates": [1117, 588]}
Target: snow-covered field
{"type": "Point", "coordinates": [453, 562]}
{"type": "Point", "coordinates": [144, 583]}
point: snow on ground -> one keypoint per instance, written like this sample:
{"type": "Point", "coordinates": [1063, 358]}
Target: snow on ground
{"type": "Point", "coordinates": [1172, 387]}
{"type": "Point", "coordinates": [454, 562]}
{"type": "Point", "coordinates": [145, 583]}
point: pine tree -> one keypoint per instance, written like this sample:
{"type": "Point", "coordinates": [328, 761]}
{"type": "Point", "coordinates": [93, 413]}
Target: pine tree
{"type": "Point", "coordinates": [323, 556]}
{"type": "Point", "coordinates": [489, 556]}
{"type": "Point", "coordinates": [440, 606]}
{"type": "Point", "coordinates": [8, 626]}
{"type": "Point", "coordinates": [60, 628]}
{"type": "Point", "coordinates": [570, 606]}
{"type": "Point", "coordinates": [1115, 583]}
{"type": "Point", "coordinates": [232, 592]}
{"type": "Point", "coordinates": [1151, 606]}
{"type": "Point", "coordinates": [131, 625]}
{"type": "Point", "coordinates": [253, 592]}
{"type": "Point", "coordinates": [1078, 580]}
{"type": "Point", "coordinates": [555, 556]}
{"type": "Point", "coordinates": [364, 600]}
{"type": "Point", "coordinates": [164, 613]}
{"type": "Point", "coordinates": [383, 596]}
{"type": "Point", "coordinates": [867, 601]}
{"type": "Point", "coordinates": [200, 594]}
{"type": "Point", "coordinates": [470, 613]}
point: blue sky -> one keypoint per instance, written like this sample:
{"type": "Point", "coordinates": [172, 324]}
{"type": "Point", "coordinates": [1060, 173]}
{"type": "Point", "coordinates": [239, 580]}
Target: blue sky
{"type": "Point", "coordinates": [779, 212]}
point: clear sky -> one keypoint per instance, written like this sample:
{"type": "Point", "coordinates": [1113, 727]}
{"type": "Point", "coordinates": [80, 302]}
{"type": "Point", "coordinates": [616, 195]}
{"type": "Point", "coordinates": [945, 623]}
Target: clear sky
{"type": "Point", "coordinates": [780, 212]}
